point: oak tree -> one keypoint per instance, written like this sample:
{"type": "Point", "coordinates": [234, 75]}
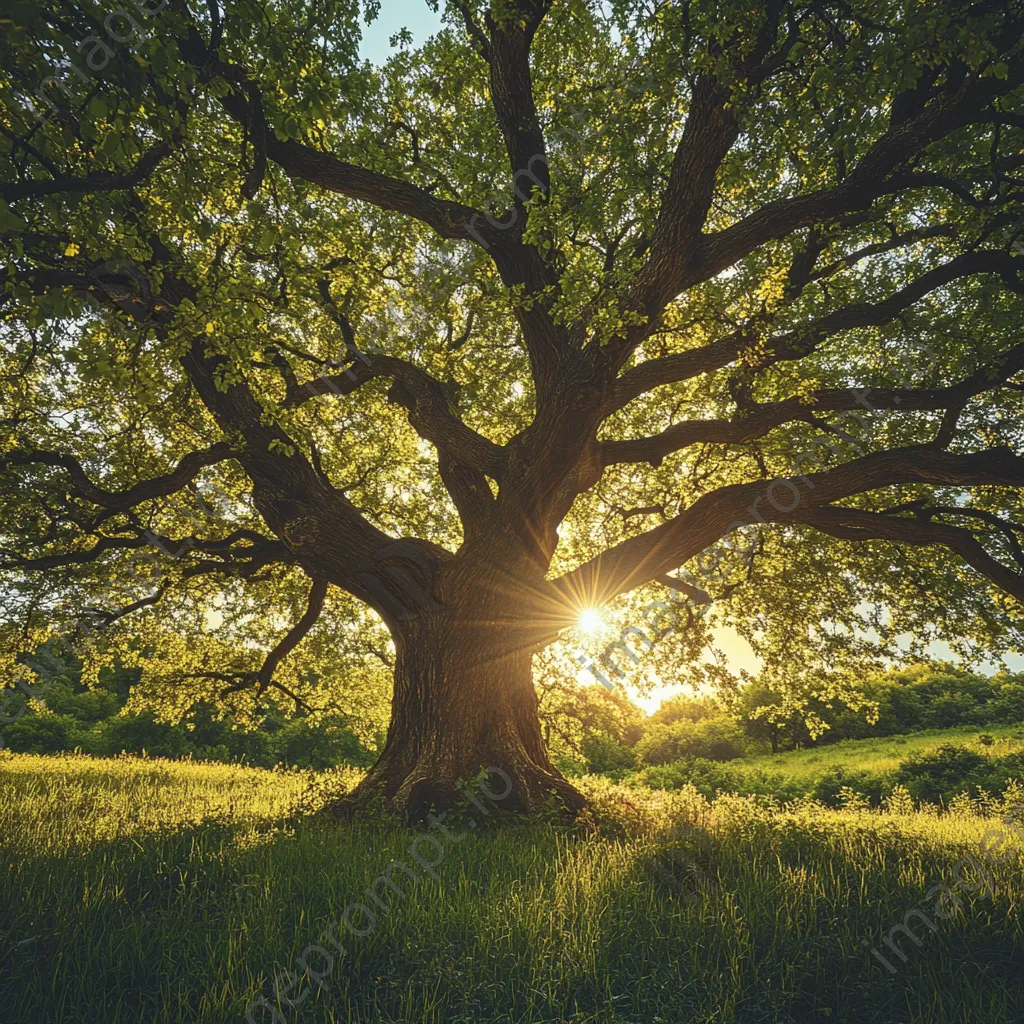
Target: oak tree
{"type": "Point", "coordinates": [298, 349]}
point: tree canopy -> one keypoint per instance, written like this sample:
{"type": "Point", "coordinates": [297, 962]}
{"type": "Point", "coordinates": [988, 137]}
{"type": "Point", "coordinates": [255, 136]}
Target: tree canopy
{"type": "Point", "coordinates": [572, 296]}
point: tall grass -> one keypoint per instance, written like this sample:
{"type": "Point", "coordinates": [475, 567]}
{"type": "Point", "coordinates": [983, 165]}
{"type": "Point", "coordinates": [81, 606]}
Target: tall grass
{"type": "Point", "coordinates": [150, 891]}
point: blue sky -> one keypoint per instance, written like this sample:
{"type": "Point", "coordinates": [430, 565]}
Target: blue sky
{"type": "Point", "coordinates": [394, 15]}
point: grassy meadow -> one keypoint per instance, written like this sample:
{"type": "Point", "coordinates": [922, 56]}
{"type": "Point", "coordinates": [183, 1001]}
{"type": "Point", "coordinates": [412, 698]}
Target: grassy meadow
{"type": "Point", "coordinates": [939, 766]}
{"type": "Point", "coordinates": [146, 890]}
{"type": "Point", "coordinates": [885, 753]}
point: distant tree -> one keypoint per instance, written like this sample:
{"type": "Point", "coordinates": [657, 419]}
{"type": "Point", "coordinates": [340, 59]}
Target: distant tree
{"type": "Point", "coordinates": [805, 708]}
{"type": "Point", "coordinates": [328, 744]}
{"type": "Point", "coordinates": [759, 709]}
{"type": "Point", "coordinates": [1008, 702]}
{"type": "Point", "coordinates": [135, 734]}
{"type": "Point", "coordinates": [42, 734]}
{"type": "Point", "coordinates": [685, 708]}
{"type": "Point", "coordinates": [573, 715]}
{"type": "Point", "coordinates": [299, 352]}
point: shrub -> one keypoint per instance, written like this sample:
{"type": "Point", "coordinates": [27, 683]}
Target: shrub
{"type": "Point", "coordinates": [684, 708]}
{"type": "Point", "coordinates": [943, 773]}
{"type": "Point", "coordinates": [834, 786]}
{"type": "Point", "coordinates": [1008, 704]}
{"type": "Point", "coordinates": [710, 777]}
{"type": "Point", "coordinates": [570, 767]}
{"type": "Point", "coordinates": [135, 734]}
{"type": "Point", "coordinates": [329, 744]}
{"type": "Point", "coordinates": [42, 734]}
{"type": "Point", "coordinates": [717, 739]}
{"type": "Point", "coordinates": [951, 709]}
{"type": "Point", "coordinates": [605, 756]}
{"type": "Point", "coordinates": [89, 706]}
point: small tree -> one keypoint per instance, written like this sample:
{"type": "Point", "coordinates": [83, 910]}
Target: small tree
{"type": "Point", "coordinates": [760, 711]}
{"type": "Point", "coordinates": [579, 721]}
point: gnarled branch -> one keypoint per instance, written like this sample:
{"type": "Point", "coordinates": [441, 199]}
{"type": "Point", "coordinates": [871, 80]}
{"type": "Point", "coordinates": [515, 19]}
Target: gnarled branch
{"type": "Point", "coordinates": [263, 679]}
{"type": "Point", "coordinates": [803, 341]}
{"type": "Point", "coordinates": [424, 397]}
{"type": "Point", "coordinates": [942, 116]}
{"type": "Point", "coordinates": [649, 555]}
{"type": "Point", "coordinates": [762, 418]}
{"type": "Point", "coordinates": [100, 181]}
{"type": "Point", "coordinates": [857, 524]}
{"type": "Point", "coordinates": [185, 472]}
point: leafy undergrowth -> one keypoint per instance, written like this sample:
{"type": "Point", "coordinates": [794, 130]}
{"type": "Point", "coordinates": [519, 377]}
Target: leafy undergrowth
{"type": "Point", "coordinates": [160, 892]}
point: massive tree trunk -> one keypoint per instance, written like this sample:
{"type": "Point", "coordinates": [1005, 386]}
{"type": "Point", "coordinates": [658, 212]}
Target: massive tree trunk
{"type": "Point", "coordinates": [464, 701]}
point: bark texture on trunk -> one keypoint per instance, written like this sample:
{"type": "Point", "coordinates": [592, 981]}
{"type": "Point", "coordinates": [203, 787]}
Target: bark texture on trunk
{"type": "Point", "coordinates": [464, 700]}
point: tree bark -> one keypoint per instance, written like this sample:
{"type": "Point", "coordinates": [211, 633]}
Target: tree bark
{"type": "Point", "coordinates": [464, 701]}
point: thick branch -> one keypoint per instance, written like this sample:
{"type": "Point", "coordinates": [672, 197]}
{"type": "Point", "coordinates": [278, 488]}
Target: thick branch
{"type": "Point", "coordinates": [710, 130]}
{"type": "Point", "coordinates": [512, 32]}
{"type": "Point", "coordinates": [101, 547]}
{"type": "Point", "coordinates": [521, 265]}
{"type": "Point", "coordinates": [232, 560]}
{"type": "Point", "coordinates": [945, 114]}
{"type": "Point", "coordinates": [449, 219]}
{"type": "Point", "coordinates": [856, 524]}
{"type": "Point", "coordinates": [789, 499]}
{"type": "Point", "coordinates": [803, 341]}
{"type": "Point", "coordinates": [243, 103]}
{"type": "Point", "coordinates": [106, 617]}
{"type": "Point", "coordinates": [1007, 527]}
{"type": "Point", "coordinates": [184, 473]}
{"type": "Point", "coordinates": [244, 562]}
{"type": "Point", "coordinates": [264, 678]}
{"type": "Point", "coordinates": [426, 400]}
{"type": "Point", "coordinates": [764, 418]}
{"type": "Point", "coordinates": [100, 181]}
{"type": "Point", "coordinates": [315, 605]}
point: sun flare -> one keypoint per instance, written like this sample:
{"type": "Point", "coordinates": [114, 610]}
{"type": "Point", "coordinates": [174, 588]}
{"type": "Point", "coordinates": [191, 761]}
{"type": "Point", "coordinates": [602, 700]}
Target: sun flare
{"type": "Point", "coordinates": [591, 621]}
